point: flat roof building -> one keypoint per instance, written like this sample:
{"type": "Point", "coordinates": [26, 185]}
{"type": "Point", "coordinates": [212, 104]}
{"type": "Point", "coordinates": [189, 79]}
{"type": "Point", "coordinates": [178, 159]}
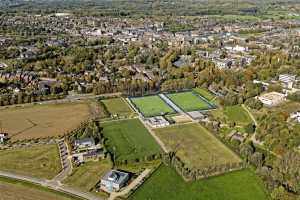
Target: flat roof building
{"type": "Point", "coordinates": [158, 121]}
{"type": "Point", "coordinates": [84, 143]}
{"type": "Point", "coordinates": [114, 180]}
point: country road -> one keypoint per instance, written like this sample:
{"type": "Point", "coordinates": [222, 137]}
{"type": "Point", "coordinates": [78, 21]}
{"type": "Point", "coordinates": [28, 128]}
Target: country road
{"type": "Point", "coordinates": [54, 185]}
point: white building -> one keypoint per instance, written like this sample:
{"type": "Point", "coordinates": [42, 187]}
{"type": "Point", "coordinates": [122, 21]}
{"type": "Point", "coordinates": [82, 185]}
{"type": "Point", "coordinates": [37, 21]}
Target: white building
{"type": "Point", "coordinates": [84, 143]}
{"type": "Point", "coordinates": [287, 80]}
{"type": "Point", "coordinates": [295, 115]}
{"type": "Point", "coordinates": [272, 98]}
{"type": "Point", "coordinates": [114, 180]}
{"type": "Point", "coordinates": [3, 137]}
{"type": "Point", "coordinates": [158, 121]}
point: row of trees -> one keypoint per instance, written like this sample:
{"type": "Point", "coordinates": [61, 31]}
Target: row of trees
{"type": "Point", "coordinates": [195, 174]}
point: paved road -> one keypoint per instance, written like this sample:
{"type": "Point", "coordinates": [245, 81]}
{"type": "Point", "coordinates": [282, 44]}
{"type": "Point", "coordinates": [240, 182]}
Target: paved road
{"type": "Point", "coordinates": [51, 184]}
{"type": "Point", "coordinates": [65, 161]}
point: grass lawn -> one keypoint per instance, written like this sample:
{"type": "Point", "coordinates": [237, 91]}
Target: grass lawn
{"type": "Point", "coordinates": [41, 121]}
{"type": "Point", "coordinates": [86, 176]}
{"type": "Point", "coordinates": [237, 114]}
{"type": "Point", "coordinates": [41, 161]}
{"type": "Point", "coordinates": [11, 189]}
{"type": "Point", "coordinates": [166, 184]}
{"type": "Point", "coordinates": [117, 106]}
{"type": "Point", "coordinates": [205, 93]}
{"type": "Point", "coordinates": [195, 146]}
{"type": "Point", "coordinates": [129, 140]}
{"type": "Point", "coordinates": [151, 105]}
{"type": "Point", "coordinates": [187, 101]}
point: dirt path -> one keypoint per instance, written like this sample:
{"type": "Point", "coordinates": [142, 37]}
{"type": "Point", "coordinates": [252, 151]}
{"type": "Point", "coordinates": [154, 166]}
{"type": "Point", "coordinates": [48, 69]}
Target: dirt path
{"type": "Point", "coordinates": [157, 139]}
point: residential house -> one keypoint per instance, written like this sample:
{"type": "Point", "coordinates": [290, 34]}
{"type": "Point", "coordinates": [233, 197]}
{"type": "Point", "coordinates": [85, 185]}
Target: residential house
{"type": "Point", "coordinates": [296, 116]}
{"type": "Point", "coordinates": [287, 80]}
{"type": "Point", "coordinates": [3, 137]}
{"type": "Point", "coordinates": [114, 180]}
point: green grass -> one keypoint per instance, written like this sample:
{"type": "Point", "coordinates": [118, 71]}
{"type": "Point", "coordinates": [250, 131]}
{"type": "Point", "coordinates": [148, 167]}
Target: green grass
{"type": "Point", "coordinates": [87, 175]}
{"type": "Point", "coordinates": [237, 114]}
{"type": "Point", "coordinates": [187, 101]}
{"type": "Point", "coordinates": [195, 146]}
{"type": "Point", "coordinates": [41, 161]}
{"type": "Point", "coordinates": [166, 184]}
{"type": "Point", "coordinates": [117, 106]}
{"type": "Point", "coordinates": [204, 93]}
{"type": "Point", "coordinates": [30, 191]}
{"type": "Point", "coordinates": [129, 140]}
{"type": "Point", "coordinates": [151, 105]}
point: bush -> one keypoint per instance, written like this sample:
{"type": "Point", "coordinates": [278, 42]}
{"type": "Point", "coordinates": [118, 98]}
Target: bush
{"type": "Point", "coordinates": [254, 103]}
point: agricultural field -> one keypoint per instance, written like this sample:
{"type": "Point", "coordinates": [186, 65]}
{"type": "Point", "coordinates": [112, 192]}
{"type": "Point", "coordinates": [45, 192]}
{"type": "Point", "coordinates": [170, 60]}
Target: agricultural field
{"type": "Point", "coordinates": [42, 121]}
{"type": "Point", "coordinates": [129, 140]}
{"type": "Point", "coordinates": [117, 106]}
{"type": "Point", "coordinates": [195, 146]}
{"type": "Point", "coordinates": [165, 184]}
{"type": "Point", "coordinates": [151, 105]}
{"type": "Point", "coordinates": [235, 114]}
{"type": "Point", "coordinates": [188, 101]}
{"type": "Point", "coordinates": [41, 161]}
{"type": "Point", "coordinates": [86, 176]}
{"type": "Point", "coordinates": [16, 190]}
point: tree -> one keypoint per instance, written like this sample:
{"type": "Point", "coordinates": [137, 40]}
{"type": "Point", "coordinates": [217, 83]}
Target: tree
{"type": "Point", "coordinates": [257, 159]}
{"type": "Point", "coordinates": [249, 128]}
{"type": "Point", "coordinates": [286, 171]}
{"type": "Point", "coordinates": [254, 103]}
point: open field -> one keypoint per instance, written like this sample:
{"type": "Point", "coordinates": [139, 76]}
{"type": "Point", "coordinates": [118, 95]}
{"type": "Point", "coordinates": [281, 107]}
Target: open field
{"type": "Point", "coordinates": [232, 114]}
{"type": "Point", "coordinates": [151, 105]}
{"type": "Point", "coordinates": [17, 190]}
{"type": "Point", "coordinates": [86, 176]}
{"type": "Point", "coordinates": [42, 120]}
{"type": "Point", "coordinates": [237, 114]}
{"type": "Point", "coordinates": [195, 146]}
{"type": "Point", "coordinates": [129, 140]}
{"type": "Point", "coordinates": [41, 161]}
{"type": "Point", "coordinates": [117, 106]}
{"type": "Point", "coordinates": [166, 184]}
{"type": "Point", "coordinates": [188, 101]}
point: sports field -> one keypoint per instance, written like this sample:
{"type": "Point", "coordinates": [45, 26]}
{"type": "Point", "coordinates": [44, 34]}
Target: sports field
{"type": "Point", "coordinates": [151, 106]}
{"type": "Point", "coordinates": [188, 101]}
{"type": "Point", "coordinates": [17, 190]}
{"type": "Point", "coordinates": [195, 146]}
{"type": "Point", "coordinates": [117, 106]}
{"type": "Point", "coordinates": [42, 121]}
{"type": "Point", "coordinates": [41, 161]}
{"type": "Point", "coordinates": [166, 184]}
{"type": "Point", "coordinates": [129, 140]}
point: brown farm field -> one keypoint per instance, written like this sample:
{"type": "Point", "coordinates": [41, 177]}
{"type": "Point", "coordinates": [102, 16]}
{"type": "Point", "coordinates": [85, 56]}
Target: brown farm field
{"type": "Point", "coordinates": [40, 121]}
{"type": "Point", "coordinates": [16, 190]}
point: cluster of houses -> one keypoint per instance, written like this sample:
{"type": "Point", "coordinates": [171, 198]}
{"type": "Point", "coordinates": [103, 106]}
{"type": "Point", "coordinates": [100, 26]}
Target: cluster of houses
{"type": "Point", "coordinates": [87, 150]}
